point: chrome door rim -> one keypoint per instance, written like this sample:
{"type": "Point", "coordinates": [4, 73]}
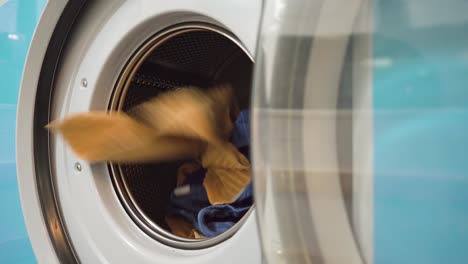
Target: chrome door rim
{"type": "Point", "coordinates": [116, 103]}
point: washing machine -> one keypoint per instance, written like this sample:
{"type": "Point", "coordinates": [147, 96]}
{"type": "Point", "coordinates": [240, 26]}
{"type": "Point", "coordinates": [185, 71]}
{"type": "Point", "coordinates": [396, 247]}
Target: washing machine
{"type": "Point", "coordinates": [358, 127]}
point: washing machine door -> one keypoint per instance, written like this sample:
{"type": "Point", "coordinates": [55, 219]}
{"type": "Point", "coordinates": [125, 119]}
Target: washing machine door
{"type": "Point", "coordinates": [359, 130]}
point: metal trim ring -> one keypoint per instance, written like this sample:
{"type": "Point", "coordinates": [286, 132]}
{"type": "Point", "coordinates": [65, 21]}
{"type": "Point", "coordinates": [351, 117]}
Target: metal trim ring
{"type": "Point", "coordinates": [116, 103]}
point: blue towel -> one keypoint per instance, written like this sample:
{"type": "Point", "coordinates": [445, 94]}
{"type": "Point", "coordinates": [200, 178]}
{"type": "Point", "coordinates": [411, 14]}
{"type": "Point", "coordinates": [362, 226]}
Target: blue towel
{"type": "Point", "coordinates": [210, 220]}
{"type": "Point", "coordinates": [191, 201]}
{"type": "Point", "coordinates": [214, 220]}
{"type": "Point", "coordinates": [241, 130]}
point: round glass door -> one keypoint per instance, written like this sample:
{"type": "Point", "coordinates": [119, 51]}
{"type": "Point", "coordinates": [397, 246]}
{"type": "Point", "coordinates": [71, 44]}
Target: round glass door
{"type": "Point", "coordinates": [360, 131]}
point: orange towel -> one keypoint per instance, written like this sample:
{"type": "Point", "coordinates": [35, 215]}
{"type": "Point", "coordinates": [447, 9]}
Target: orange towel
{"type": "Point", "coordinates": [185, 123]}
{"type": "Point", "coordinates": [228, 173]}
{"type": "Point", "coordinates": [117, 137]}
{"type": "Point", "coordinates": [175, 125]}
{"type": "Point", "coordinates": [181, 227]}
{"type": "Point", "coordinates": [185, 170]}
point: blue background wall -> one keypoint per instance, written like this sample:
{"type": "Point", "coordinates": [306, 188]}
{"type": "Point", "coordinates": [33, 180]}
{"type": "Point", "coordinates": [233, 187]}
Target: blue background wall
{"type": "Point", "coordinates": [17, 22]}
{"type": "Point", "coordinates": [420, 52]}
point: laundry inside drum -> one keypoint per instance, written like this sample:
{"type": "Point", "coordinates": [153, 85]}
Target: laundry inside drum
{"type": "Point", "coordinates": [191, 56]}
